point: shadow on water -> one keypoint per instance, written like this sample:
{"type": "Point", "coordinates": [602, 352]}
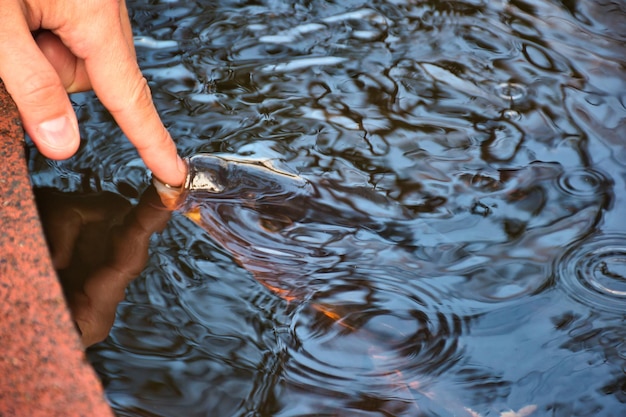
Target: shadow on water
{"type": "Point", "coordinates": [448, 241]}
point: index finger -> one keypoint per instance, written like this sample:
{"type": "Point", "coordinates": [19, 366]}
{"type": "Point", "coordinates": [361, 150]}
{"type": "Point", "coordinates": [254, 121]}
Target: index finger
{"type": "Point", "coordinates": [117, 81]}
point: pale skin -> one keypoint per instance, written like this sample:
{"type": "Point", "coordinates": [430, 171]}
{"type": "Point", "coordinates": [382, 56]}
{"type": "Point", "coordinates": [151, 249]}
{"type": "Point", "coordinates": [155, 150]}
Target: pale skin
{"type": "Point", "coordinates": [51, 48]}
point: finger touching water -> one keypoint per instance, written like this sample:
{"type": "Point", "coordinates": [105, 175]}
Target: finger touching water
{"type": "Point", "coordinates": [78, 46]}
{"type": "Point", "coordinates": [119, 84]}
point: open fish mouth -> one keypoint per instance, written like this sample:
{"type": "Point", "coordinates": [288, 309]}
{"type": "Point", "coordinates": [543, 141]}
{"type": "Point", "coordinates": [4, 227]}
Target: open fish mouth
{"type": "Point", "coordinates": [212, 177]}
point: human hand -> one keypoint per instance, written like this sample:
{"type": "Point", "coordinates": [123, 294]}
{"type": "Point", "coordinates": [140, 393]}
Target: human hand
{"type": "Point", "coordinates": [80, 45]}
{"type": "Point", "coordinates": [98, 244]}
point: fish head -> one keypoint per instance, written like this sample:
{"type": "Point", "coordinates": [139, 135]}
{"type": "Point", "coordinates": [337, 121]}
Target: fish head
{"type": "Point", "coordinates": [213, 178]}
{"type": "Point", "coordinates": [241, 180]}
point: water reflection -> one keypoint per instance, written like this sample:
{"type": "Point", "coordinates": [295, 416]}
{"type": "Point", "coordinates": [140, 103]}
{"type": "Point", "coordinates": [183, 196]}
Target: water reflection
{"type": "Point", "coordinates": [453, 252]}
{"type": "Point", "coordinates": [98, 245]}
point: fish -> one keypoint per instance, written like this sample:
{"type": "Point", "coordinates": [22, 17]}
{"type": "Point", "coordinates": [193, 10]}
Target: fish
{"type": "Point", "coordinates": [231, 179]}
{"type": "Point", "coordinates": [280, 226]}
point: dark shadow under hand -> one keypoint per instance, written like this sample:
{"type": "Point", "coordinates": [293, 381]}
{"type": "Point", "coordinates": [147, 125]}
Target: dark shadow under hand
{"type": "Point", "coordinates": [99, 244]}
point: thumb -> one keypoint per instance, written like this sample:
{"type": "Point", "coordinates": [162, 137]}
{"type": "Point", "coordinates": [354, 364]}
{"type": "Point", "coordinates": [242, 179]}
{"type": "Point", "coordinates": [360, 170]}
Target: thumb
{"type": "Point", "coordinates": [34, 85]}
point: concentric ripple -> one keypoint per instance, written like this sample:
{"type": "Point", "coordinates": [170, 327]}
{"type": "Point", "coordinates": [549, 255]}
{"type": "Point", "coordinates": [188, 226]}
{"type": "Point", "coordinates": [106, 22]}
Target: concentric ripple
{"type": "Point", "coordinates": [511, 91]}
{"type": "Point", "coordinates": [594, 272]}
{"type": "Point", "coordinates": [583, 182]}
{"type": "Point", "coordinates": [370, 338]}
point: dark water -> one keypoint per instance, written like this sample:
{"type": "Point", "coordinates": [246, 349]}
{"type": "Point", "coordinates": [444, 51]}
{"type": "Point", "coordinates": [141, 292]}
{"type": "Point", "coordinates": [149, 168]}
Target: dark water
{"type": "Point", "coordinates": [459, 248]}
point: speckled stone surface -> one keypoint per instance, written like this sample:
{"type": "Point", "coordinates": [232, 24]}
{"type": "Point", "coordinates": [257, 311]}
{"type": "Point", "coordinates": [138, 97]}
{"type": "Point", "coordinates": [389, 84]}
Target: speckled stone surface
{"type": "Point", "coordinates": [43, 370]}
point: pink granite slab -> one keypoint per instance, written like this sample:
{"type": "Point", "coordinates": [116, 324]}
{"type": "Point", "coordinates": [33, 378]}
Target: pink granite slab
{"type": "Point", "coordinates": [43, 370]}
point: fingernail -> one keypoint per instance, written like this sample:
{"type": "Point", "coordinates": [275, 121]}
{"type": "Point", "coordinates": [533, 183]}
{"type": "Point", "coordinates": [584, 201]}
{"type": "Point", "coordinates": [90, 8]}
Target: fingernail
{"type": "Point", "coordinates": [57, 133]}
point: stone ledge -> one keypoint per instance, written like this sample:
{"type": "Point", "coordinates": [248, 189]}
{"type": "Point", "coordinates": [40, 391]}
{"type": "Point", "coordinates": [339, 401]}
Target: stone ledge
{"type": "Point", "coordinates": [43, 369]}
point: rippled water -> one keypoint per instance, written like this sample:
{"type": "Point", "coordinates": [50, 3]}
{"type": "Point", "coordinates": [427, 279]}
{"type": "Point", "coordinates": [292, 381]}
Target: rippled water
{"type": "Point", "coordinates": [459, 245]}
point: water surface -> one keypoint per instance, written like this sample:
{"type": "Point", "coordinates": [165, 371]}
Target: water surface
{"type": "Point", "coordinates": [460, 248]}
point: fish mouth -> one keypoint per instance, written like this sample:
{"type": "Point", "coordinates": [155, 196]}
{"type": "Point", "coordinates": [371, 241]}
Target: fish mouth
{"type": "Point", "coordinates": [197, 179]}
{"type": "Point", "coordinates": [204, 181]}
{"type": "Point", "coordinates": [213, 178]}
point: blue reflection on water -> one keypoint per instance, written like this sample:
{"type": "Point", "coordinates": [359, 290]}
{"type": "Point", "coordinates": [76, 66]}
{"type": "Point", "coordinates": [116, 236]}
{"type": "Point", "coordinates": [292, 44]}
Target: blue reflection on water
{"type": "Point", "coordinates": [469, 171]}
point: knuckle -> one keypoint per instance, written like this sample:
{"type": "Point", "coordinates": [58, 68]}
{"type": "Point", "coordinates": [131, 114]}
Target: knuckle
{"type": "Point", "coordinates": [93, 330]}
{"type": "Point", "coordinates": [37, 90]}
{"type": "Point", "coordinates": [161, 141]}
{"type": "Point", "coordinates": [138, 97]}
{"type": "Point", "coordinates": [98, 335]}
